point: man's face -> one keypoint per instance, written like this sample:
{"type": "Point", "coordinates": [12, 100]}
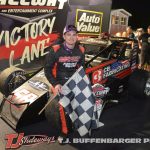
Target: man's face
{"type": "Point", "coordinates": [148, 30]}
{"type": "Point", "coordinates": [129, 30]}
{"type": "Point", "coordinates": [139, 33]}
{"type": "Point", "coordinates": [70, 37]}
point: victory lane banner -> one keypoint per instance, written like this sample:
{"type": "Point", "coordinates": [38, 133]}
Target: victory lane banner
{"type": "Point", "coordinates": [89, 22]}
{"type": "Point", "coordinates": [27, 28]}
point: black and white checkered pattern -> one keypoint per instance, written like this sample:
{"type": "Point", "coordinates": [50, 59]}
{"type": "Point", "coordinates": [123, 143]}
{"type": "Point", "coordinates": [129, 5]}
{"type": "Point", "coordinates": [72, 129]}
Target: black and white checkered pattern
{"type": "Point", "coordinates": [78, 101]}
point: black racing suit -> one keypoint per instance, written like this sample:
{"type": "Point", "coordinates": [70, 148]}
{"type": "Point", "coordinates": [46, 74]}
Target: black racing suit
{"type": "Point", "coordinates": [65, 61]}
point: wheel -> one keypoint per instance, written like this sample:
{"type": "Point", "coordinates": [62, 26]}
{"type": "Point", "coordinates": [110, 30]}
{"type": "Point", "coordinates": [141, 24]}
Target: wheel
{"type": "Point", "coordinates": [139, 84]}
{"type": "Point", "coordinates": [52, 114]}
{"type": "Point", "coordinates": [10, 79]}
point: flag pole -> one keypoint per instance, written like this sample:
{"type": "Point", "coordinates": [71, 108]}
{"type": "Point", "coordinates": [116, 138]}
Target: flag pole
{"type": "Point", "coordinates": [47, 103]}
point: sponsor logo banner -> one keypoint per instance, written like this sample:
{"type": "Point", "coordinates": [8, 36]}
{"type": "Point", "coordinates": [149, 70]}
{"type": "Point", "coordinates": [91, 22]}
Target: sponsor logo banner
{"type": "Point", "coordinates": [89, 22]}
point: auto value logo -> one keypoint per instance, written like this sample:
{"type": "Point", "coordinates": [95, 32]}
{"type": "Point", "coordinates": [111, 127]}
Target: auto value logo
{"type": "Point", "coordinates": [38, 85]}
{"type": "Point", "coordinates": [89, 22]}
{"type": "Point", "coordinates": [16, 140]}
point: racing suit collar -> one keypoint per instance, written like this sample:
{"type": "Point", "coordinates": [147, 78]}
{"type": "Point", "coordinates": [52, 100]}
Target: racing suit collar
{"type": "Point", "coordinates": [67, 48]}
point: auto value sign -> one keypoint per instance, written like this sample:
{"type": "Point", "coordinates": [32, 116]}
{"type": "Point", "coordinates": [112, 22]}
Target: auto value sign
{"type": "Point", "coordinates": [89, 22]}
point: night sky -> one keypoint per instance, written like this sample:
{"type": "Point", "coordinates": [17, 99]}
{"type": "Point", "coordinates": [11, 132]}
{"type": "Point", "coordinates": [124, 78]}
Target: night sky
{"type": "Point", "coordinates": [140, 10]}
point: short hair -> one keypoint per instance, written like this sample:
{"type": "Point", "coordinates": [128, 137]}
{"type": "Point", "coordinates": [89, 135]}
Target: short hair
{"type": "Point", "coordinates": [129, 27]}
{"type": "Point", "coordinates": [140, 30]}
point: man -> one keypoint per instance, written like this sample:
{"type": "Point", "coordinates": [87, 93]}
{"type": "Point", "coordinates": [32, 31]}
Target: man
{"type": "Point", "coordinates": [62, 62]}
{"type": "Point", "coordinates": [144, 41]}
{"type": "Point", "coordinates": [129, 34]}
{"type": "Point", "coordinates": [139, 32]}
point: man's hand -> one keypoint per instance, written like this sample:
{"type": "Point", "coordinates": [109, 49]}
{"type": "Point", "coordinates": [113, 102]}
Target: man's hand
{"type": "Point", "coordinates": [140, 66]}
{"type": "Point", "coordinates": [58, 88]}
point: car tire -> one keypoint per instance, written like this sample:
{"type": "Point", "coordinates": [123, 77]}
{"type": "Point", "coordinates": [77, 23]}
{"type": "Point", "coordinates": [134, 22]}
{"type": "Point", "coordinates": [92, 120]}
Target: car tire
{"type": "Point", "coordinates": [139, 83]}
{"type": "Point", "coordinates": [10, 79]}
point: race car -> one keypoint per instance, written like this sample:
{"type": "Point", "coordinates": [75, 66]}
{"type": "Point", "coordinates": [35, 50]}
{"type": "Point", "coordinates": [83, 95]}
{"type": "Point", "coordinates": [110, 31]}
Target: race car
{"type": "Point", "coordinates": [109, 68]}
{"type": "Point", "coordinates": [98, 54]}
{"type": "Point", "coordinates": [116, 67]}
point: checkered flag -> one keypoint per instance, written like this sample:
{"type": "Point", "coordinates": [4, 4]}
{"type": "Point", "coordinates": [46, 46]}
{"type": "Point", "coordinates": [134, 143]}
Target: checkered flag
{"type": "Point", "coordinates": [79, 102]}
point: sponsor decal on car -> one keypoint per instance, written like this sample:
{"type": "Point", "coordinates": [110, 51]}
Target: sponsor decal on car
{"type": "Point", "coordinates": [99, 90]}
{"type": "Point", "coordinates": [97, 76]}
{"type": "Point", "coordinates": [109, 70]}
{"type": "Point", "coordinates": [115, 68]}
{"type": "Point", "coordinates": [23, 96]}
{"type": "Point", "coordinates": [38, 85]}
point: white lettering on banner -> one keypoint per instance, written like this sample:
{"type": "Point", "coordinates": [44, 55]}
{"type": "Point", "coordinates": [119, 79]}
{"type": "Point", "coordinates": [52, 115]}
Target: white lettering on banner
{"type": "Point", "coordinates": [34, 3]}
{"type": "Point", "coordinates": [14, 40]}
{"type": "Point", "coordinates": [25, 10]}
{"type": "Point", "coordinates": [61, 4]}
{"type": "Point", "coordinates": [108, 140]}
{"type": "Point", "coordinates": [44, 11]}
{"type": "Point", "coordinates": [12, 2]}
{"type": "Point", "coordinates": [29, 53]}
{"type": "Point", "coordinates": [92, 19]}
{"type": "Point", "coordinates": [146, 140]}
{"type": "Point", "coordinates": [87, 28]}
{"type": "Point", "coordinates": [28, 30]}
{"type": "Point", "coordinates": [2, 2]}
{"type": "Point", "coordinates": [23, 2]}
{"type": "Point", "coordinates": [38, 2]}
